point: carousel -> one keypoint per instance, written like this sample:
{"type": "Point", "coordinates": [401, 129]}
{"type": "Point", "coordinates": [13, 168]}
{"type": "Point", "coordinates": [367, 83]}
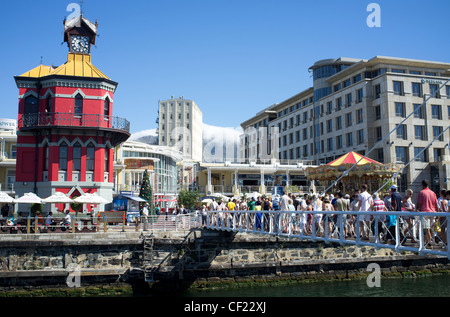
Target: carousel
{"type": "Point", "coordinates": [367, 171]}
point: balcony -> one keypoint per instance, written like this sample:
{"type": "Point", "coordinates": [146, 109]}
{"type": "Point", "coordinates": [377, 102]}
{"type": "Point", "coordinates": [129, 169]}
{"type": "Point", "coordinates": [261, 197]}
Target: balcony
{"type": "Point", "coordinates": [118, 126]}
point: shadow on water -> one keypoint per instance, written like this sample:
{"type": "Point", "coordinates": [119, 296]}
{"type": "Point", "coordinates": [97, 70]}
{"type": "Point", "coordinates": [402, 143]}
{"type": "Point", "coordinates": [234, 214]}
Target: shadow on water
{"type": "Point", "coordinates": [436, 286]}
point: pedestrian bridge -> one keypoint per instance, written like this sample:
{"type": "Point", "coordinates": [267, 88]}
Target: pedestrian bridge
{"type": "Point", "coordinates": [422, 232]}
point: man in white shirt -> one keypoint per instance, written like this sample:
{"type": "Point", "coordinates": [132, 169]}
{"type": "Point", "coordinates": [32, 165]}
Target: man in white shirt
{"type": "Point", "coordinates": [365, 203]}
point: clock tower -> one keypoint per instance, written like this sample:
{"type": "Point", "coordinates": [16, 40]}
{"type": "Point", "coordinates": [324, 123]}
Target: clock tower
{"type": "Point", "coordinates": [66, 130]}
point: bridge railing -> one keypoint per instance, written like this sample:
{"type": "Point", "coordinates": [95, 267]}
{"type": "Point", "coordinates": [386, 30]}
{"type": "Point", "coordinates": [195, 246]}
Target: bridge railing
{"type": "Point", "coordinates": [421, 232]}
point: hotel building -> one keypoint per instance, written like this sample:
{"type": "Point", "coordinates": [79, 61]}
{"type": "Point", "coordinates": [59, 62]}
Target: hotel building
{"type": "Point", "coordinates": [180, 125]}
{"type": "Point", "coordinates": [352, 106]}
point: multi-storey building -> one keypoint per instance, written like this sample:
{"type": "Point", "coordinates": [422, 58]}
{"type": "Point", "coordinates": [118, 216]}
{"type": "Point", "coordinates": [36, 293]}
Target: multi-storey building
{"type": "Point", "coordinates": [8, 151]}
{"type": "Point", "coordinates": [66, 131]}
{"type": "Point", "coordinates": [353, 106]}
{"type": "Point", "coordinates": [180, 125]}
{"type": "Point", "coordinates": [133, 158]}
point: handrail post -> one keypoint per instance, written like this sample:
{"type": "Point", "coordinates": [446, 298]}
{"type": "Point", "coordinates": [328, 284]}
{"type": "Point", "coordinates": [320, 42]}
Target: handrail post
{"type": "Point", "coordinates": [123, 222]}
{"type": "Point", "coordinates": [35, 224]}
{"type": "Point", "coordinates": [105, 223]}
{"type": "Point", "coordinates": [28, 224]}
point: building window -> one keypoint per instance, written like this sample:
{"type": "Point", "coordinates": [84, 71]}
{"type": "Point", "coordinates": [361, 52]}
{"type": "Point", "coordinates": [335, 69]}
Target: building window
{"type": "Point", "coordinates": [339, 142]}
{"type": "Point", "coordinates": [398, 88]}
{"type": "Point", "coordinates": [437, 132]}
{"type": "Point", "coordinates": [330, 144]}
{"type": "Point", "coordinates": [78, 104]}
{"type": "Point", "coordinates": [348, 119]}
{"type": "Point", "coordinates": [377, 91]}
{"type": "Point", "coordinates": [48, 104]}
{"type": "Point", "coordinates": [401, 132]}
{"type": "Point", "coordinates": [350, 139]}
{"type": "Point", "coordinates": [90, 157]}
{"type": "Point", "coordinates": [418, 111]}
{"type": "Point", "coordinates": [46, 158]}
{"type": "Point", "coordinates": [436, 112]}
{"type": "Point", "coordinates": [417, 89]}
{"type": "Point", "coordinates": [31, 105]}
{"type": "Point", "coordinates": [378, 133]}
{"type": "Point", "coordinates": [107, 159]}
{"type": "Point", "coordinates": [329, 125]}
{"type": "Point", "coordinates": [400, 109]}
{"type": "Point", "coordinates": [360, 136]}
{"type": "Point", "coordinates": [401, 154]}
{"type": "Point", "coordinates": [359, 95]}
{"type": "Point", "coordinates": [359, 116]}
{"type": "Point", "coordinates": [419, 132]}
{"type": "Point", "coordinates": [380, 155]}
{"type": "Point", "coordinates": [106, 107]}
{"type": "Point", "coordinates": [348, 99]}
{"type": "Point", "coordinates": [338, 123]}
{"type": "Point", "coordinates": [377, 112]}
{"type": "Point", "coordinates": [338, 104]}
{"type": "Point", "coordinates": [434, 91]}
{"type": "Point", "coordinates": [447, 89]}
{"type": "Point", "coordinates": [77, 157]}
{"type": "Point", "coordinates": [420, 154]}
{"type": "Point", "coordinates": [63, 156]}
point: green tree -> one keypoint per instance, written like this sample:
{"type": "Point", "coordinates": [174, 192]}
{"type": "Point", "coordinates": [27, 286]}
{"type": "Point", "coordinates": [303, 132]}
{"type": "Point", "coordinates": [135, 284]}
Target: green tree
{"type": "Point", "coordinates": [146, 190]}
{"type": "Point", "coordinates": [188, 198]}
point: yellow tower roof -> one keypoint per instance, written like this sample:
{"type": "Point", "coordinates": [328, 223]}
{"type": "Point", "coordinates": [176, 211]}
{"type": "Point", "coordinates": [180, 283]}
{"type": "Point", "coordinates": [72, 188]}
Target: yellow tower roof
{"type": "Point", "coordinates": [78, 65]}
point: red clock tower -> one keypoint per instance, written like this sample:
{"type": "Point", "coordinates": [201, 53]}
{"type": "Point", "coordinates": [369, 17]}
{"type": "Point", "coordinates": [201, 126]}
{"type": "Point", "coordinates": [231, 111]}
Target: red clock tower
{"type": "Point", "coordinates": [66, 131]}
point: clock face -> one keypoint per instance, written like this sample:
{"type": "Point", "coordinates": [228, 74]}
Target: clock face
{"type": "Point", "coordinates": [79, 44]}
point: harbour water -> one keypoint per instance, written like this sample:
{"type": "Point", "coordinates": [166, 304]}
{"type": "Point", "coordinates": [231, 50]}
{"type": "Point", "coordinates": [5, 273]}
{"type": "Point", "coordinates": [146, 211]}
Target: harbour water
{"type": "Point", "coordinates": [427, 286]}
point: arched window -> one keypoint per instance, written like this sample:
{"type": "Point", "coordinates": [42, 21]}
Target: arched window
{"type": "Point", "coordinates": [46, 158]}
{"type": "Point", "coordinates": [106, 107]}
{"type": "Point", "coordinates": [107, 150]}
{"type": "Point", "coordinates": [31, 105]}
{"type": "Point", "coordinates": [78, 104]}
{"type": "Point", "coordinates": [63, 156]}
{"type": "Point", "coordinates": [77, 157]}
{"type": "Point", "coordinates": [48, 105]}
{"type": "Point", "coordinates": [90, 157]}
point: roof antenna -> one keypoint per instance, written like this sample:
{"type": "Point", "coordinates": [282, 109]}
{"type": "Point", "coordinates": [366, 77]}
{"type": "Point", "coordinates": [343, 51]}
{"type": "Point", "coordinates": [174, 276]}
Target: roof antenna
{"type": "Point", "coordinates": [81, 8]}
{"type": "Point", "coordinates": [42, 58]}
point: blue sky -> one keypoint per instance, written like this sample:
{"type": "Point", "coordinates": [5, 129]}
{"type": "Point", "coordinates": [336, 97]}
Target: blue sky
{"type": "Point", "coordinates": [233, 58]}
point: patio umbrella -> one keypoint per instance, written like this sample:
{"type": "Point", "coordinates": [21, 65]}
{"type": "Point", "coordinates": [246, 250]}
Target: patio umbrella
{"type": "Point", "coordinates": [29, 198]}
{"type": "Point", "coordinates": [58, 198]}
{"type": "Point", "coordinates": [5, 198]}
{"type": "Point", "coordinates": [91, 199]}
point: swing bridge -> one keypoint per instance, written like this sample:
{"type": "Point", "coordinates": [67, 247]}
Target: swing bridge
{"type": "Point", "coordinates": [423, 232]}
{"type": "Point", "coordinates": [420, 232]}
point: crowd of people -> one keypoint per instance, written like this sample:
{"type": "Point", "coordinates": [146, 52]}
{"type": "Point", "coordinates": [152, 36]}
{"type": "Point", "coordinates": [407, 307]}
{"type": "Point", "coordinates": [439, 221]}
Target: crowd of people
{"type": "Point", "coordinates": [357, 201]}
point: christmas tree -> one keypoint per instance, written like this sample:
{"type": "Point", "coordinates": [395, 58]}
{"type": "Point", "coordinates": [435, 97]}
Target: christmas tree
{"type": "Point", "coordinates": [146, 190]}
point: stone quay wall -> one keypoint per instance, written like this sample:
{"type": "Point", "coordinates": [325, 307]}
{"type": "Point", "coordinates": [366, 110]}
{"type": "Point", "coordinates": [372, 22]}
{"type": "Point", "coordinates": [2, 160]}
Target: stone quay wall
{"type": "Point", "coordinates": [191, 259]}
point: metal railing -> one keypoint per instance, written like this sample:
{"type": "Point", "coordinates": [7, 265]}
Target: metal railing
{"type": "Point", "coordinates": [44, 119]}
{"type": "Point", "coordinates": [162, 222]}
{"type": "Point", "coordinates": [426, 231]}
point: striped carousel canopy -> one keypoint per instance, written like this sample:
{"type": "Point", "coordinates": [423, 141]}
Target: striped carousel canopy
{"type": "Point", "coordinates": [352, 158]}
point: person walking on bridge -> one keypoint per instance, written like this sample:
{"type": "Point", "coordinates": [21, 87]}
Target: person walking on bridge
{"type": "Point", "coordinates": [427, 202]}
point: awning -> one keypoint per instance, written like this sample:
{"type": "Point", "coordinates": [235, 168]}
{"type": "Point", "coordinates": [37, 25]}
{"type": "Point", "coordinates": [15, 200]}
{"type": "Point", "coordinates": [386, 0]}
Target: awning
{"type": "Point", "coordinates": [135, 198]}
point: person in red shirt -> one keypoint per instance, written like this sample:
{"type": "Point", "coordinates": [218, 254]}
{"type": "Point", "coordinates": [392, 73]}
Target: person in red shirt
{"type": "Point", "coordinates": [427, 202]}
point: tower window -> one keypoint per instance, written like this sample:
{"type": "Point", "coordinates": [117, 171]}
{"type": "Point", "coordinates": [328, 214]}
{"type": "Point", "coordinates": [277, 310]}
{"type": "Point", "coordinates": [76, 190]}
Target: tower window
{"type": "Point", "coordinates": [78, 104]}
{"type": "Point", "coordinates": [106, 107]}
{"type": "Point", "coordinates": [77, 157]}
{"type": "Point", "coordinates": [63, 157]}
{"type": "Point", "coordinates": [90, 157]}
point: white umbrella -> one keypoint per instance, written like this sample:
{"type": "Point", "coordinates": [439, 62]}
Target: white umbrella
{"type": "Point", "coordinates": [58, 198]}
{"type": "Point", "coordinates": [5, 198]}
{"type": "Point", "coordinates": [91, 199]}
{"type": "Point", "coordinates": [28, 198]}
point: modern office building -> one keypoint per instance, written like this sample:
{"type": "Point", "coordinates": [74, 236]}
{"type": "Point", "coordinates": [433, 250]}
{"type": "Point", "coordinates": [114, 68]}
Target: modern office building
{"type": "Point", "coordinates": [180, 126]}
{"type": "Point", "coordinates": [355, 104]}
